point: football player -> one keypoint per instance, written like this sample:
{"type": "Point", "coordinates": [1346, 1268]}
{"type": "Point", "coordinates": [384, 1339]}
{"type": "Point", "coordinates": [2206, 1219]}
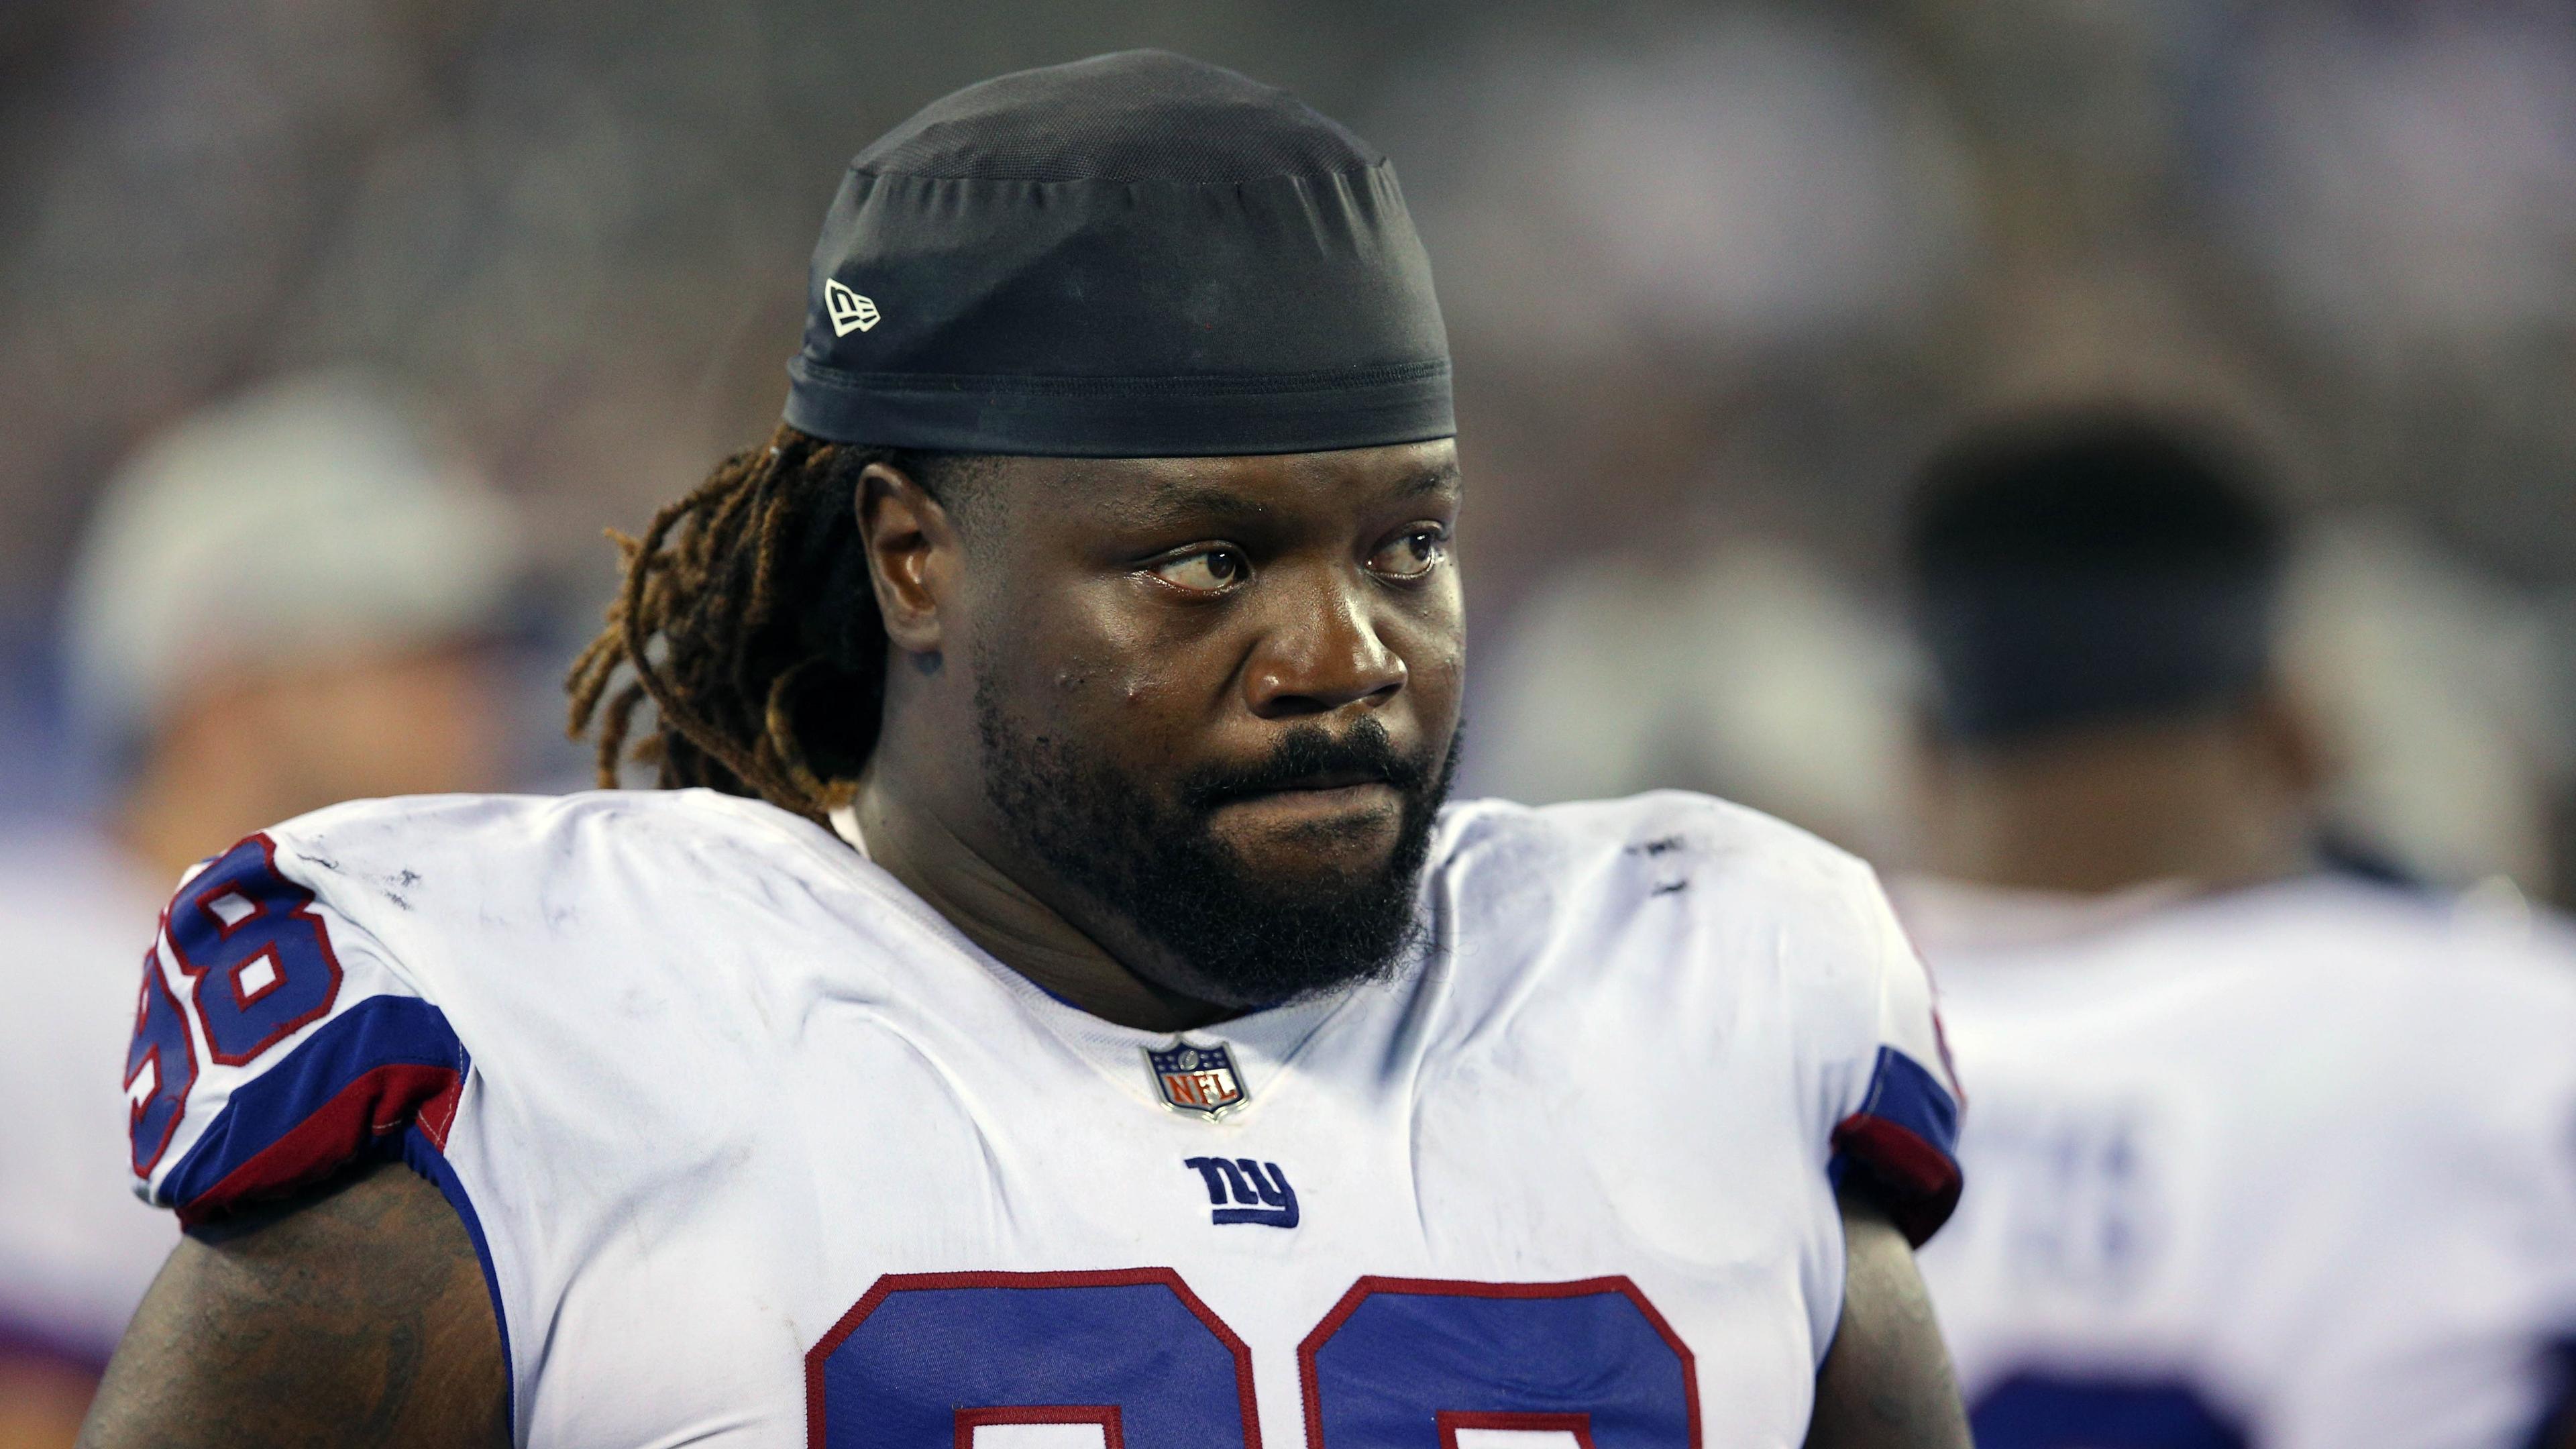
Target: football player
{"type": "Point", "coordinates": [2268, 1152]}
{"type": "Point", "coordinates": [1051, 1005]}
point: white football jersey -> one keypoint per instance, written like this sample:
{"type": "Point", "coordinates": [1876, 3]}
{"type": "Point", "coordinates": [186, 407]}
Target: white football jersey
{"type": "Point", "coordinates": [759, 1150]}
{"type": "Point", "coordinates": [2291, 1167]}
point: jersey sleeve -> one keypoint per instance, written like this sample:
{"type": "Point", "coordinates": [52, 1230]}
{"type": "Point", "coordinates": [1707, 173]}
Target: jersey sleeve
{"type": "Point", "coordinates": [276, 1041]}
{"type": "Point", "coordinates": [1896, 1100]}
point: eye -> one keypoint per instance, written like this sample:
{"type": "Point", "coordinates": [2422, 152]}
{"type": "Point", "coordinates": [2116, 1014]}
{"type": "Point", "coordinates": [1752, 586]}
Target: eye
{"type": "Point", "coordinates": [1413, 553]}
{"type": "Point", "coordinates": [1205, 570]}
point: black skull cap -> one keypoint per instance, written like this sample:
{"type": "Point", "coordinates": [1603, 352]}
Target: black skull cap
{"type": "Point", "coordinates": [1135, 255]}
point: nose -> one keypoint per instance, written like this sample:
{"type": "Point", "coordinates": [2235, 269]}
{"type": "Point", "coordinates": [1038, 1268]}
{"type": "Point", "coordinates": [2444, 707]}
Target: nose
{"type": "Point", "coordinates": [1324, 654]}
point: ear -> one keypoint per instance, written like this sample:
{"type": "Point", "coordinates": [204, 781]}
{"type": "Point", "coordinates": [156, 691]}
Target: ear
{"type": "Point", "coordinates": [915, 562]}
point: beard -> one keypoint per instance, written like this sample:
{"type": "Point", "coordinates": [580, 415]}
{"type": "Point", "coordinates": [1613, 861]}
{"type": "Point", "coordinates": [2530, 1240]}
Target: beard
{"type": "Point", "coordinates": [1148, 853]}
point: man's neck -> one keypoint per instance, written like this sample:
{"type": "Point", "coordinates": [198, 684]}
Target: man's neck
{"type": "Point", "coordinates": [2026, 853]}
{"type": "Point", "coordinates": [2112, 810]}
{"type": "Point", "coordinates": [992, 908]}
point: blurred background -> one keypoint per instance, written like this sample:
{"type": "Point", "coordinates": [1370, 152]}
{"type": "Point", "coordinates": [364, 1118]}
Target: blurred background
{"type": "Point", "coordinates": [1715, 274]}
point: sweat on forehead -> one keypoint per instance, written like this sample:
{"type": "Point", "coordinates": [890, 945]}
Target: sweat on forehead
{"type": "Point", "coordinates": [1136, 255]}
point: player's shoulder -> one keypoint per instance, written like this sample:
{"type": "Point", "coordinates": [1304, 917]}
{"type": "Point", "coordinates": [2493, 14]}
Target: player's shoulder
{"type": "Point", "coordinates": [1654, 823]}
{"type": "Point", "coordinates": [2392, 994]}
{"type": "Point", "coordinates": [396, 947]}
{"type": "Point", "coordinates": [1672, 844]}
{"type": "Point", "coordinates": [2365, 938]}
{"type": "Point", "coordinates": [1756, 952]}
{"type": "Point", "coordinates": [449, 878]}
{"type": "Point", "coordinates": [390, 846]}
{"type": "Point", "coordinates": [540, 822]}
{"type": "Point", "coordinates": [1667, 888]}
{"type": "Point", "coordinates": [2472, 985]}
{"type": "Point", "coordinates": [2443, 1020]}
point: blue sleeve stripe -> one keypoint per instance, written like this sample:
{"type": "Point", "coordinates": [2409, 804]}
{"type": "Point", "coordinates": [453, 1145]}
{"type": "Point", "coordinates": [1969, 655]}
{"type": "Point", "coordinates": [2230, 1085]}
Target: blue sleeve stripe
{"type": "Point", "coordinates": [337, 1098]}
{"type": "Point", "coordinates": [1904, 1091]}
{"type": "Point", "coordinates": [378, 1081]}
{"type": "Point", "coordinates": [1906, 1134]}
{"type": "Point", "coordinates": [425, 1157]}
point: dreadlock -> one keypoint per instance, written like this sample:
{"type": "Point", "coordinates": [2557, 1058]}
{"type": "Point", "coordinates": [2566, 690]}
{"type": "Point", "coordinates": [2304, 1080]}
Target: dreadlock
{"type": "Point", "coordinates": [747, 619]}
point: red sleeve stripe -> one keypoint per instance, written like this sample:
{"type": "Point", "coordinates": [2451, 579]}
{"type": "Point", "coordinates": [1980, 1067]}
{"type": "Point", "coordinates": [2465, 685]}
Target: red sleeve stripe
{"type": "Point", "coordinates": [1923, 1183]}
{"type": "Point", "coordinates": [345, 1095]}
{"type": "Point", "coordinates": [1905, 1134]}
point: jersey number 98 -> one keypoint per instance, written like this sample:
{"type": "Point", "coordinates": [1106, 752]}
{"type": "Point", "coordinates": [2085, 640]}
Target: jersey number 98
{"type": "Point", "coordinates": [924, 1361]}
{"type": "Point", "coordinates": [261, 965]}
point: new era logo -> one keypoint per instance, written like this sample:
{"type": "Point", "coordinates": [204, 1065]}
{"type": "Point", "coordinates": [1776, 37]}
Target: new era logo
{"type": "Point", "coordinates": [849, 311]}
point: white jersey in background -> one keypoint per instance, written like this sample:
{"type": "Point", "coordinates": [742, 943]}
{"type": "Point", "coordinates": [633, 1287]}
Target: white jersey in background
{"type": "Point", "coordinates": [758, 1150]}
{"type": "Point", "coordinates": [2290, 1168]}
{"type": "Point", "coordinates": [76, 1252]}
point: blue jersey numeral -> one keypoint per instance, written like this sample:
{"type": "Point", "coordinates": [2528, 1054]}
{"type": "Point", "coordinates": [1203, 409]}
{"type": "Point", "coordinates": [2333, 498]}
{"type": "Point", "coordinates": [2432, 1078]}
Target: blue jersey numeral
{"type": "Point", "coordinates": [926, 1359]}
{"type": "Point", "coordinates": [2048, 1411]}
{"type": "Point", "coordinates": [160, 1067]}
{"type": "Point", "coordinates": [1404, 1361]}
{"type": "Point", "coordinates": [248, 938]}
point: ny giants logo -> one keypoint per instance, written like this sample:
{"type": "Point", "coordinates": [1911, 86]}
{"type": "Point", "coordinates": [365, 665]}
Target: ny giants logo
{"type": "Point", "coordinates": [1267, 1200]}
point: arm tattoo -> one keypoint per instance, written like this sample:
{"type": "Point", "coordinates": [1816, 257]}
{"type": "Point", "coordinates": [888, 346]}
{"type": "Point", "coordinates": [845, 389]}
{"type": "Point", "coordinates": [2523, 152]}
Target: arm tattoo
{"type": "Point", "coordinates": [357, 1317]}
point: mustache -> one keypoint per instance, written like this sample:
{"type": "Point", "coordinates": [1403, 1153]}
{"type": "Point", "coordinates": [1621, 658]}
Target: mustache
{"type": "Point", "coordinates": [1364, 752]}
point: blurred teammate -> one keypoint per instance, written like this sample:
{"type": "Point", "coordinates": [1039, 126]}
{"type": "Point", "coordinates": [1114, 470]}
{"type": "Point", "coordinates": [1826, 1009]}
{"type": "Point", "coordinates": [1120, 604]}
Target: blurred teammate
{"type": "Point", "coordinates": [280, 605]}
{"type": "Point", "coordinates": [2265, 1154]}
{"type": "Point", "coordinates": [1064, 1012]}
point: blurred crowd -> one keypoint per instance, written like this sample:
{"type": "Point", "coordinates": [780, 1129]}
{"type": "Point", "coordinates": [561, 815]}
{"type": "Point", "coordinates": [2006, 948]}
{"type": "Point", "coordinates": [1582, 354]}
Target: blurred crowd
{"type": "Point", "coordinates": [1714, 273]}
{"type": "Point", "coordinates": [331, 335]}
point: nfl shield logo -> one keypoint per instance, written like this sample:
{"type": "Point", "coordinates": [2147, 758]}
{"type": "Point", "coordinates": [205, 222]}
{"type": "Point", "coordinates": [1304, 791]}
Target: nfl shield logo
{"type": "Point", "coordinates": [1196, 1078]}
